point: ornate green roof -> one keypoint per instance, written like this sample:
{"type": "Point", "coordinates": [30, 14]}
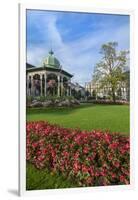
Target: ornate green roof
{"type": "Point", "coordinates": [51, 61]}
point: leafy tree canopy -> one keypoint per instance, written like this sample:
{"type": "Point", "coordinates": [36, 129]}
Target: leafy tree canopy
{"type": "Point", "coordinates": [110, 71]}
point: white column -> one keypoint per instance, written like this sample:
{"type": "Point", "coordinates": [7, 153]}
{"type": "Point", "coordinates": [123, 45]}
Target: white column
{"type": "Point", "coordinates": [61, 85]}
{"type": "Point", "coordinates": [32, 86]}
{"type": "Point", "coordinates": [58, 85]}
{"type": "Point", "coordinates": [69, 90]}
{"type": "Point", "coordinates": [45, 92]}
{"type": "Point", "coordinates": [28, 88]}
{"type": "Point", "coordinates": [69, 87]}
{"type": "Point", "coordinates": [27, 85]}
{"type": "Point", "coordinates": [41, 86]}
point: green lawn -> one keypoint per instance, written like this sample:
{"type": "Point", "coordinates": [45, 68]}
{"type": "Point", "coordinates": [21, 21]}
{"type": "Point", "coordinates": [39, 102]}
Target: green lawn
{"type": "Point", "coordinates": [114, 118]}
{"type": "Point", "coordinates": [41, 179]}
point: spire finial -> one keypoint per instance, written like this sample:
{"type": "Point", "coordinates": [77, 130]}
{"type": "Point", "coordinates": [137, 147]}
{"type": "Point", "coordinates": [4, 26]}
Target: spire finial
{"type": "Point", "coordinates": [51, 52]}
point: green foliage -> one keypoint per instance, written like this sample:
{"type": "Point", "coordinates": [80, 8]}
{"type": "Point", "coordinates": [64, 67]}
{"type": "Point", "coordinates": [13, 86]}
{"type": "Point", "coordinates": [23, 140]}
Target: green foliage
{"type": "Point", "coordinates": [49, 97]}
{"type": "Point", "coordinates": [29, 98]}
{"type": "Point", "coordinates": [41, 179]}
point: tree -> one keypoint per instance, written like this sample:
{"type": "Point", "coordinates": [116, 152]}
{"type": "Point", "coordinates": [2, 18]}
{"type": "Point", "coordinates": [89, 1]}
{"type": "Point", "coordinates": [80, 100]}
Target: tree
{"type": "Point", "coordinates": [94, 94]}
{"type": "Point", "coordinates": [126, 80]}
{"type": "Point", "coordinates": [110, 70]}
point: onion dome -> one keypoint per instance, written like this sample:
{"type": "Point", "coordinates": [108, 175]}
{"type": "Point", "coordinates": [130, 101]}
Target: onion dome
{"type": "Point", "coordinates": [51, 61]}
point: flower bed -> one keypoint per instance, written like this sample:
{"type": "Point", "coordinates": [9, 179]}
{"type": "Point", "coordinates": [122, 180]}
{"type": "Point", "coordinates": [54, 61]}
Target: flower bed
{"type": "Point", "coordinates": [106, 102]}
{"type": "Point", "coordinates": [51, 101]}
{"type": "Point", "coordinates": [93, 158]}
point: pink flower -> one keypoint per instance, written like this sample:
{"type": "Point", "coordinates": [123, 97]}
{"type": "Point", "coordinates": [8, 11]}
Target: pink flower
{"type": "Point", "coordinates": [85, 150]}
{"type": "Point", "coordinates": [113, 175]}
{"type": "Point", "coordinates": [90, 158]}
{"type": "Point", "coordinates": [34, 144]}
{"type": "Point", "coordinates": [76, 166]}
{"type": "Point", "coordinates": [114, 145]}
{"type": "Point", "coordinates": [116, 164]}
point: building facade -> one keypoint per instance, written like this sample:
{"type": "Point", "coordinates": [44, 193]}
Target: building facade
{"type": "Point", "coordinates": [48, 79]}
{"type": "Point", "coordinates": [96, 92]}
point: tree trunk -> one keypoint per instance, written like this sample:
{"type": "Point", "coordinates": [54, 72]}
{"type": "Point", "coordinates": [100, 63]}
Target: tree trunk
{"type": "Point", "coordinates": [113, 95]}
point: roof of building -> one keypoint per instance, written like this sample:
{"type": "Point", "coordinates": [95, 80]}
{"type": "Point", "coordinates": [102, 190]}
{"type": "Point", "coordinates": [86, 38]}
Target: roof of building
{"type": "Point", "coordinates": [35, 69]}
{"type": "Point", "coordinates": [28, 66]}
{"type": "Point", "coordinates": [77, 85]}
{"type": "Point", "coordinates": [51, 61]}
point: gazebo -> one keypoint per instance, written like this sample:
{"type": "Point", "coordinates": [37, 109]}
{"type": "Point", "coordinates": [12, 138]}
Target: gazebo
{"type": "Point", "coordinates": [48, 79]}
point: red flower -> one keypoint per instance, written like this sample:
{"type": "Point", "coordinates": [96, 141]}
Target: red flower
{"type": "Point", "coordinates": [34, 144]}
{"type": "Point", "coordinates": [114, 145]}
{"type": "Point", "coordinates": [91, 158]}
{"type": "Point", "coordinates": [116, 164]}
{"type": "Point", "coordinates": [84, 169]}
{"type": "Point", "coordinates": [122, 178]}
{"type": "Point", "coordinates": [113, 175]}
{"type": "Point", "coordinates": [85, 150]}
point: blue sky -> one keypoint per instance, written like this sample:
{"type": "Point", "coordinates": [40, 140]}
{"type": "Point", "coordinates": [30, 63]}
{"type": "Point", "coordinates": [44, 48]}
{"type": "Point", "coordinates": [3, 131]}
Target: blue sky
{"type": "Point", "coordinates": [75, 38]}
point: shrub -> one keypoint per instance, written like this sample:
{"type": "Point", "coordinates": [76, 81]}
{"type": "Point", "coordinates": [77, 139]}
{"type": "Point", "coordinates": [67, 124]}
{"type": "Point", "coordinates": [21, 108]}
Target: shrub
{"type": "Point", "coordinates": [29, 99]}
{"type": "Point", "coordinates": [49, 97]}
{"type": "Point", "coordinates": [93, 158]}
